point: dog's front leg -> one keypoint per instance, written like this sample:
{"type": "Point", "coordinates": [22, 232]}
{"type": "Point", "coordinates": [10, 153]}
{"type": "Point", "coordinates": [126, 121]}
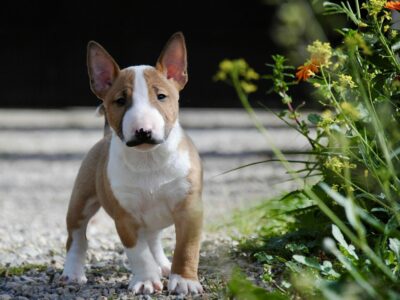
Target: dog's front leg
{"type": "Point", "coordinates": [146, 272]}
{"type": "Point", "coordinates": [188, 219]}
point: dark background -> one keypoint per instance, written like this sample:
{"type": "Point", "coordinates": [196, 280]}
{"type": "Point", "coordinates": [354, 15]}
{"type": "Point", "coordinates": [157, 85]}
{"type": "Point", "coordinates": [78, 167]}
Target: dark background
{"type": "Point", "coordinates": [43, 45]}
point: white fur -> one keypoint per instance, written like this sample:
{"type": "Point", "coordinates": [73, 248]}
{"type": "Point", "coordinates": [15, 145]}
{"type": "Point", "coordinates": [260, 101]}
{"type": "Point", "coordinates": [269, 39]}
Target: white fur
{"type": "Point", "coordinates": [156, 248]}
{"type": "Point", "coordinates": [74, 267]}
{"type": "Point", "coordinates": [146, 271]}
{"type": "Point", "coordinates": [75, 261]}
{"type": "Point", "coordinates": [142, 114]}
{"type": "Point", "coordinates": [149, 184]}
{"type": "Point", "coordinates": [179, 285]}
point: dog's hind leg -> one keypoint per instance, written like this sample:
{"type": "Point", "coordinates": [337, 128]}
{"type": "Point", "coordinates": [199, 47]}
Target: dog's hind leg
{"type": "Point", "coordinates": [80, 211]}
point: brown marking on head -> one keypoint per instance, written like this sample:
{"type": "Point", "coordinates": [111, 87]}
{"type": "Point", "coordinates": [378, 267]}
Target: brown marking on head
{"type": "Point", "coordinates": [168, 107]}
{"type": "Point", "coordinates": [119, 99]}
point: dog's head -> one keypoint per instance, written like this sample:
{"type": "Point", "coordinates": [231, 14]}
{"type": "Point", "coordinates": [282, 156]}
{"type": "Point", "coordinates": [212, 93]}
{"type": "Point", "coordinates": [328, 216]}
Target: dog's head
{"type": "Point", "coordinates": [140, 102]}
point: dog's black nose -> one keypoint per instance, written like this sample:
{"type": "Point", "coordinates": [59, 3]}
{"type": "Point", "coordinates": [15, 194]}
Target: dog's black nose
{"type": "Point", "coordinates": [143, 135]}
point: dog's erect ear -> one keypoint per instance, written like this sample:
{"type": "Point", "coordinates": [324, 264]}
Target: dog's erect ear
{"type": "Point", "coordinates": [173, 61]}
{"type": "Point", "coordinates": [102, 69]}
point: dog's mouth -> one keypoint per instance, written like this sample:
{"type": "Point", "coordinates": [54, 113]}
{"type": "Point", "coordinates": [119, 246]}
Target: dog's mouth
{"type": "Point", "coordinates": [148, 143]}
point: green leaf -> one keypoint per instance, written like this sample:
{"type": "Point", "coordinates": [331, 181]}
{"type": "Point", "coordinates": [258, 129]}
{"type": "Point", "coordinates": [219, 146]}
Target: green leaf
{"type": "Point", "coordinates": [314, 118]}
{"type": "Point", "coordinates": [394, 245]}
{"type": "Point", "coordinates": [337, 234]}
{"type": "Point", "coordinates": [325, 268]}
{"type": "Point", "coordinates": [242, 289]}
{"type": "Point", "coordinates": [308, 261]}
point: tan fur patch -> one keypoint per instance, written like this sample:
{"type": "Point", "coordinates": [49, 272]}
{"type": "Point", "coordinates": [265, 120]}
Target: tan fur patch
{"type": "Point", "coordinates": [122, 88]}
{"type": "Point", "coordinates": [169, 107]}
{"type": "Point", "coordinates": [188, 218]}
{"type": "Point", "coordinates": [92, 182]}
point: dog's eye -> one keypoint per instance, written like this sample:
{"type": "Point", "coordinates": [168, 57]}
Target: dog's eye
{"type": "Point", "coordinates": [161, 97]}
{"type": "Point", "coordinates": [120, 101]}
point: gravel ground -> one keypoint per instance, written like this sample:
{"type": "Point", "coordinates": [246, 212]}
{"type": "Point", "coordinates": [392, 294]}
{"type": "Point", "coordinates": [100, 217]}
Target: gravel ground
{"type": "Point", "coordinates": [40, 153]}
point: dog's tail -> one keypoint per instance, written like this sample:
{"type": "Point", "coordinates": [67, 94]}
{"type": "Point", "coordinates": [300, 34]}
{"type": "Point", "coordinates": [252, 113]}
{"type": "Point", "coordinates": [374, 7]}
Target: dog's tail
{"type": "Point", "coordinates": [100, 111]}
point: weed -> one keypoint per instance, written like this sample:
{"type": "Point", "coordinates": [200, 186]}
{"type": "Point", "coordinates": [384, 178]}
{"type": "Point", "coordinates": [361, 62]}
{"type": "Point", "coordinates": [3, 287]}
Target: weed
{"type": "Point", "coordinates": [344, 243]}
{"type": "Point", "coordinates": [6, 271]}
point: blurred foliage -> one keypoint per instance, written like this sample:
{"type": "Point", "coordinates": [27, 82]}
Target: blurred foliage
{"type": "Point", "coordinates": [297, 23]}
{"type": "Point", "coordinates": [339, 238]}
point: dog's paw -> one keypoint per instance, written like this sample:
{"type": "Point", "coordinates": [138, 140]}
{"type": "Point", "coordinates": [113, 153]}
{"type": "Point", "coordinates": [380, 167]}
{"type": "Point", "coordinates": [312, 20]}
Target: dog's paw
{"type": "Point", "coordinates": [182, 286]}
{"type": "Point", "coordinates": [145, 285]}
{"type": "Point", "coordinates": [77, 277]}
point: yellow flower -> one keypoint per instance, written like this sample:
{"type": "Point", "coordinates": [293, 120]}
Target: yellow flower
{"type": "Point", "coordinates": [248, 87]}
{"type": "Point", "coordinates": [221, 75]}
{"type": "Point", "coordinates": [334, 164]}
{"type": "Point", "coordinates": [386, 28]}
{"type": "Point", "coordinates": [327, 120]}
{"type": "Point", "coordinates": [321, 53]}
{"type": "Point", "coordinates": [226, 65]}
{"type": "Point", "coordinates": [350, 110]}
{"type": "Point", "coordinates": [346, 81]}
{"type": "Point", "coordinates": [251, 74]}
{"type": "Point", "coordinates": [225, 68]}
{"type": "Point", "coordinates": [374, 6]}
{"type": "Point", "coordinates": [241, 64]}
{"type": "Point", "coordinates": [316, 84]}
{"type": "Point", "coordinates": [337, 165]}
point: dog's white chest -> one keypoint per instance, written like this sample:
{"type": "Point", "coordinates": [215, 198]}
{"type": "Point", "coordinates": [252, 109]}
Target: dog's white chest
{"type": "Point", "coordinates": [149, 185]}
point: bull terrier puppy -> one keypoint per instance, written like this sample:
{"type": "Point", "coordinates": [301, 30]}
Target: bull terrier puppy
{"type": "Point", "coordinates": [145, 172]}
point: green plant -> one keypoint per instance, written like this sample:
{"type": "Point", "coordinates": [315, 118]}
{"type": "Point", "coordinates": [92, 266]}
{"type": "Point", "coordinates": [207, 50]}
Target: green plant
{"type": "Point", "coordinates": [354, 149]}
{"type": "Point", "coordinates": [6, 271]}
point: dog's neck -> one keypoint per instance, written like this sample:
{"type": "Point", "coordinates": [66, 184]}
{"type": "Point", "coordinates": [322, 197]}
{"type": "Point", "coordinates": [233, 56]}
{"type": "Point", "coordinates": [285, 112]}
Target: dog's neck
{"type": "Point", "coordinates": [155, 159]}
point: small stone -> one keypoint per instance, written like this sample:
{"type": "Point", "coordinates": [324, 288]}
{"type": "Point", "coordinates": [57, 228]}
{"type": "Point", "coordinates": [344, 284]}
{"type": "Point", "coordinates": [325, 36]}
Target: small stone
{"type": "Point", "coordinates": [26, 290]}
{"type": "Point", "coordinates": [60, 291]}
{"type": "Point", "coordinates": [26, 278]}
{"type": "Point", "coordinates": [71, 288]}
{"type": "Point", "coordinates": [85, 294]}
{"type": "Point", "coordinates": [12, 285]}
{"type": "Point", "coordinates": [5, 297]}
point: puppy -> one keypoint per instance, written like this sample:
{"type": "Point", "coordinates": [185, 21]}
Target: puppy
{"type": "Point", "coordinates": [146, 173]}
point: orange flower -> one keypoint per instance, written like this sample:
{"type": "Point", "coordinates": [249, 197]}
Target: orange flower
{"type": "Point", "coordinates": [306, 71]}
{"type": "Point", "coordinates": [394, 5]}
